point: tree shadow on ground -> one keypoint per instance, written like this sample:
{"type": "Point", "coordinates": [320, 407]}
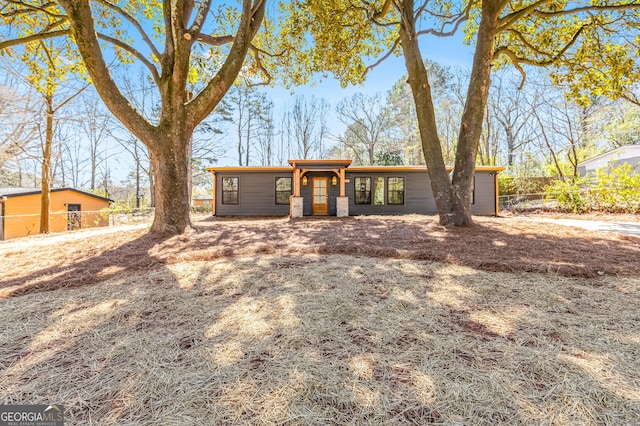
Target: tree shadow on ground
{"type": "Point", "coordinates": [498, 245]}
{"type": "Point", "coordinates": [315, 340]}
{"type": "Point", "coordinates": [492, 245]}
{"type": "Point", "coordinates": [85, 267]}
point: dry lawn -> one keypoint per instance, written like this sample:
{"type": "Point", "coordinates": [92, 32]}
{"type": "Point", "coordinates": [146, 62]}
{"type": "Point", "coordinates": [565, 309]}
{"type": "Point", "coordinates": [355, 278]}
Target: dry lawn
{"type": "Point", "coordinates": [356, 321]}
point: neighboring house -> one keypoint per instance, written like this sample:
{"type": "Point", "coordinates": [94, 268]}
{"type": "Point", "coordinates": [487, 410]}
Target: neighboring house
{"type": "Point", "coordinates": [70, 209]}
{"type": "Point", "coordinates": [629, 154]}
{"type": "Point", "coordinates": [203, 202]}
{"type": "Point", "coordinates": [331, 187]}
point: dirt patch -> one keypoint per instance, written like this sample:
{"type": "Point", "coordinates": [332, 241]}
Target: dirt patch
{"type": "Point", "coordinates": [494, 244]}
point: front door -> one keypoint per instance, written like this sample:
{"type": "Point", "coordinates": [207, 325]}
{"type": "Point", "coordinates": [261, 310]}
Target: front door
{"type": "Point", "coordinates": [320, 191]}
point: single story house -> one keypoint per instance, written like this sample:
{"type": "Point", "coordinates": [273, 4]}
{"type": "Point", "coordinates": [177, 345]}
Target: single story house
{"type": "Point", "coordinates": [629, 154]}
{"type": "Point", "coordinates": [70, 209]}
{"type": "Point", "coordinates": [331, 187]}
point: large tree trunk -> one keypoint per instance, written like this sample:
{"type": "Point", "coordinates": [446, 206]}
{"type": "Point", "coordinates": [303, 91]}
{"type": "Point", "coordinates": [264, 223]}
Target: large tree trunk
{"type": "Point", "coordinates": [168, 142]}
{"type": "Point", "coordinates": [421, 90]}
{"type": "Point", "coordinates": [473, 115]}
{"type": "Point", "coordinates": [452, 195]}
{"type": "Point", "coordinates": [170, 165]}
{"type": "Point", "coordinates": [45, 198]}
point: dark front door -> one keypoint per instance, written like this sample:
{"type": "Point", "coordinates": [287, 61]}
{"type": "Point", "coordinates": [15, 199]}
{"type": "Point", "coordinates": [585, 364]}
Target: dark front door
{"type": "Point", "coordinates": [73, 217]}
{"type": "Point", "coordinates": [320, 195]}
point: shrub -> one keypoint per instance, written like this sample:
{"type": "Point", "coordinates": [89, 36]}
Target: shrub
{"type": "Point", "coordinates": [568, 195]}
{"type": "Point", "coordinates": [616, 192]}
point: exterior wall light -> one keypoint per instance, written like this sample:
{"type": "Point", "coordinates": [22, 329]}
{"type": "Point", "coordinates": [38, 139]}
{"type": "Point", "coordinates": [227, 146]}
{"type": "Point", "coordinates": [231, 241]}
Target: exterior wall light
{"type": "Point", "coordinates": [334, 180]}
{"type": "Point", "coordinates": [305, 181]}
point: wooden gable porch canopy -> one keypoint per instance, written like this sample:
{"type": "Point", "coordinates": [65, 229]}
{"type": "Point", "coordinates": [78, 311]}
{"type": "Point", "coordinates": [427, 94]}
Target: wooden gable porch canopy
{"type": "Point", "coordinates": [300, 167]}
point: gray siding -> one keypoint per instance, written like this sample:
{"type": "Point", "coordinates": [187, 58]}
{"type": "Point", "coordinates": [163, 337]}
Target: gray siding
{"type": "Point", "coordinates": [418, 197]}
{"type": "Point", "coordinates": [485, 194]}
{"type": "Point", "coordinates": [256, 194]}
{"type": "Point", "coordinates": [633, 161]}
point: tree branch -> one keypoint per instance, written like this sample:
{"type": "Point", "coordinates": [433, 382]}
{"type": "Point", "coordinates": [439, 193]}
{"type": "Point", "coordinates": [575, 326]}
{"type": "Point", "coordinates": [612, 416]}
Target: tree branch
{"type": "Point", "coordinates": [214, 41]}
{"type": "Point", "coordinates": [250, 22]}
{"type": "Point", "coordinates": [384, 10]}
{"type": "Point", "coordinates": [35, 37]}
{"type": "Point", "coordinates": [575, 11]}
{"type": "Point", "coordinates": [259, 50]}
{"type": "Point", "coordinates": [396, 42]}
{"type": "Point", "coordinates": [518, 61]}
{"type": "Point", "coordinates": [83, 32]}
{"type": "Point", "coordinates": [631, 98]}
{"type": "Point", "coordinates": [136, 24]}
{"type": "Point", "coordinates": [553, 57]}
{"type": "Point", "coordinates": [455, 20]}
{"type": "Point", "coordinates": [70, 98]}
{"type": "Point", "coordinates": [124, 46]}
{"type": "Point", "coordinates": [511, 18]}
{"type": "Point", "coordinates": [256, 55]}
{"type": "Point", "coordinates": [198, 22]}
{"type": "Point", "coordinates": [31, 8]}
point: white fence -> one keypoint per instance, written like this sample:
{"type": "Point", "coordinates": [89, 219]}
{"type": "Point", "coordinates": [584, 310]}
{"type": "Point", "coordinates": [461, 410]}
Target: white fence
{"type": "Point", "coordinates": [520, 202]}
{"type": "Point", "coordinates": [20, 225]}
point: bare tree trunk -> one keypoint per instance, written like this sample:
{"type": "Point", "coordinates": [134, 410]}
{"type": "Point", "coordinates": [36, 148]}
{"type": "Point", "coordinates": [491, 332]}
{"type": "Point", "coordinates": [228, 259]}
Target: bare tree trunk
{"type": "Point", "coordinates": [190, 170]}
{"type": "Point", "coordinates": [240, 140]}
{"type": "Point", "coordinates": [93, 171]}
{"type": "Point", "coordinates": [45, 198]}
{"type": "Point", "coordinates": [246, 153]}
{"type": "Point", "coordinates": [421, 90]}
{"type": "Point", "coordinates": [152, 184]}
{"type": "Point", "coordinates": [552, 151]}
{"type": "Point", "coordinates": [573, 159]}
{"type": "Point", "coordinates": [137, 184]}
{"type": "Point", "coordinates": [474, 110]}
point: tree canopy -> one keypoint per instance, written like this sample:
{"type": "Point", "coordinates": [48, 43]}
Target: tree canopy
{"type": "Point", "coordinates": [536, 32]}
{"type": "Point", "coordinates": [192, 50]}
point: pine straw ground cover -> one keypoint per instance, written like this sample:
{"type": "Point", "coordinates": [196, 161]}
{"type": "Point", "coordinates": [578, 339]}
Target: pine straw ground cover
{"type": "Point", "coordinates": [357, 321]}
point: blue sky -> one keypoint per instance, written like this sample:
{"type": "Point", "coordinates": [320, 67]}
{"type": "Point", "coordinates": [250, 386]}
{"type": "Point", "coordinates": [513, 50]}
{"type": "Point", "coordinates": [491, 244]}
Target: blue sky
{"type": "Point", "coordinates": [447, 51]}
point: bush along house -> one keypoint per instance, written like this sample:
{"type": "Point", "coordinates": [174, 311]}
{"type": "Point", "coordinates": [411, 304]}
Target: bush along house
{"type": "Point", "coordinates": [332, 188]}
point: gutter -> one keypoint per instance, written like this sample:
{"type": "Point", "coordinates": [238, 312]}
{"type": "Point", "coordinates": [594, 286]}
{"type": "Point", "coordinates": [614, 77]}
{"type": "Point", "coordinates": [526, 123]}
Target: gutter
{"type": "Point", "coordinates": [497, 186]}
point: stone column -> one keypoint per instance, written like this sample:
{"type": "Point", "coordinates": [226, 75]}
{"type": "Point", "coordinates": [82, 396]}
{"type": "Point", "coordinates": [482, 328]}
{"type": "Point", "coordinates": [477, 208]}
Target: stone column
{"type": "Point", "coordinates": [342, 206]}
{"type": "Point", "coordinates": [296, 206]}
